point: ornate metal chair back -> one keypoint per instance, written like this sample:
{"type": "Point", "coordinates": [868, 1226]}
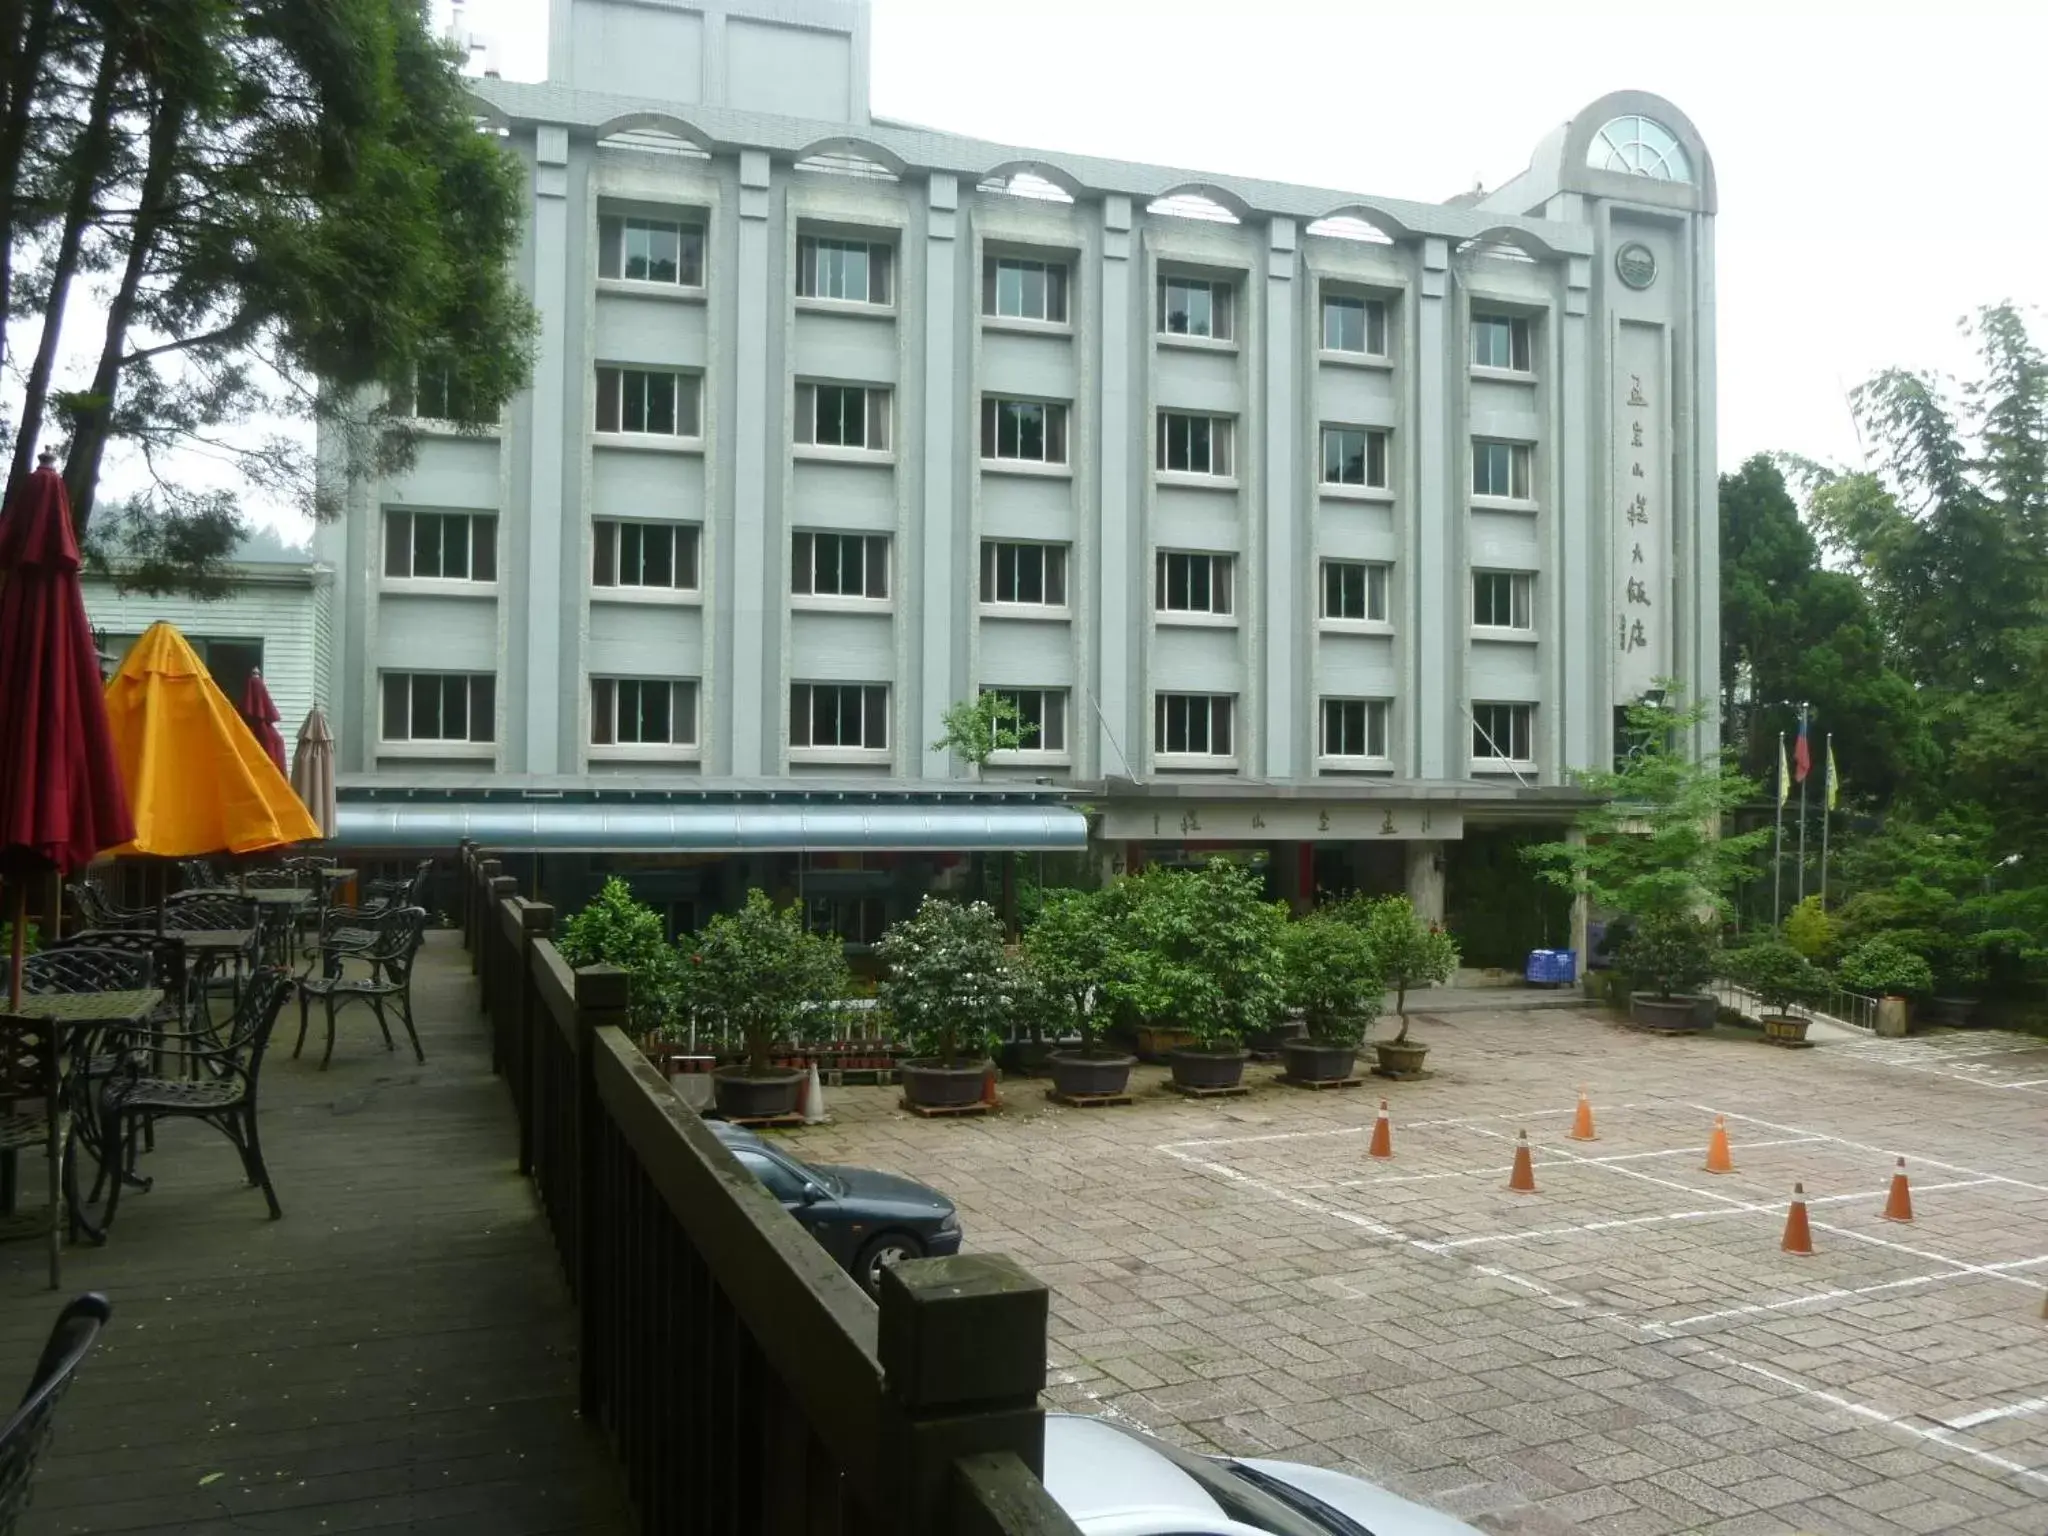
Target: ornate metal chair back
{"type": "Point", "coordinates": [87, 969]}
{"type": "Point", "coordinates": [27, 1432]}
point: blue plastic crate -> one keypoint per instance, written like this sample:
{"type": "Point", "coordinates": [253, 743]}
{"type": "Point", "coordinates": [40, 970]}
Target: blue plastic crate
{"type": "Point", "coordinates": [1552, 967]}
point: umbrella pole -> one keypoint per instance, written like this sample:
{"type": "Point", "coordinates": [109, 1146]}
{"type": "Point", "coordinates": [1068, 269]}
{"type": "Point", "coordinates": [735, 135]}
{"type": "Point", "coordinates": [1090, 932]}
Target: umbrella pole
{"type": "Point", "coordinates": [20, 946]}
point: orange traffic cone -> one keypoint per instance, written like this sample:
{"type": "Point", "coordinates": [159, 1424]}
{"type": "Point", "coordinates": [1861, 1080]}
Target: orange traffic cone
{"type": "Point", "coordinates": [1718, 1160]}
{"type": "Point", "coordinates": [1898, 1205]}
{"type": "Point", "coordinates": [1523, 1179]}
{"type": "Point", "coordinates": [988, 1085]}
{"type": "Point", "coordinates": [1582, 1122]}
{"type": "Point", "coordinates": [1798, 1235]}
{"type": "Point", "coordinates": [1382, 1135]}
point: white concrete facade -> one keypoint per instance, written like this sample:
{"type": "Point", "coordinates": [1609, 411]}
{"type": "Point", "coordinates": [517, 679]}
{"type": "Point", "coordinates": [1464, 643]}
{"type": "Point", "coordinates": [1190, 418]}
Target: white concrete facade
{"type": "Point", "coordinates": [1524, 538]}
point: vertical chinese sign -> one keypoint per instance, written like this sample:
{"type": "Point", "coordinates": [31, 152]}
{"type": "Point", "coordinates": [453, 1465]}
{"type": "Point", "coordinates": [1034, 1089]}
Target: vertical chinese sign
{"type": "Point", "coordinates": [1640, 627]}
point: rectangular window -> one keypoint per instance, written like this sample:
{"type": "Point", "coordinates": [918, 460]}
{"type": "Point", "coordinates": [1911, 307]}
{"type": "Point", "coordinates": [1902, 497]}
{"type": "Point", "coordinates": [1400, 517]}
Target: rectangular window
{"type": "Point", "coordinates": [1021, 288]}
{"type": "Point", "coordinates": [1189, 583]}
{"type": "Point", "coordinates": [1023, 431]}
{"type": "Point", "coordinates": [1355, 728]}
{"type": "Point", "coordinates": [1355, 589]}
{"type": "Point", "coordinates": [842, 415]}
{"type": "Point", "coordinates": [1192, 724]}
{"type": "Point", "coordinates": [642, 712]}
{"type": "Point", "coordinates": [1503, 733]}
{"type": "Point", "coordinates": [1355, 456]}
{"type": "Point", "coordinates": [1500, 469]}
{"type": "Point", "coordinates": [854, 716]}
{"type": "Point", "coordinates": [438, 395]}
{"type": "Point", "coordinates": [1041, 716]}
{"type": "Point", "coordinates": [849, 919]}
{"type": "Point", "coordinates": [1503, 599]}
{"type": "Point", "coordinates": [660, 404]}
{"type": "Point", "coordinates": [855, 271]}
{"type": "Point", "coordinates": [1034, 574]}
{"type": "Point", "coordinates": [657, 555]}
{"type": "Point", "coordinates": [1194, 445]}
{"type": "Point", "coordinates": [441, 546]}
{"type": "Point", "coordinates": [1354, 325]}
{"type": "Point", "coordinates": [1501, 341]}
{"type": "Point", "coordinates": [644, 250]}
{"type": "Point", "coordinates": [1194, 306]}
{"type": "Point", "coordinates": [840, 565]}
{"type": "Point", "coordinates": [440, 706]}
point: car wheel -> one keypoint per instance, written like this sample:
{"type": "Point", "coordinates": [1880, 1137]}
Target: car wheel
{"type": "Point", "coordinates": [879, 1254]}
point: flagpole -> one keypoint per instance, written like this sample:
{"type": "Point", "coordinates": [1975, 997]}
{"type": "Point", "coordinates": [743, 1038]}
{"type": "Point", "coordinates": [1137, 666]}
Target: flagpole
{"type": "Point", "coordinates": [1827, 800]}
{"type": "Point", "coordinates": [1778, 841]}
{"type": "Point", "coordinates": [1801, 885]}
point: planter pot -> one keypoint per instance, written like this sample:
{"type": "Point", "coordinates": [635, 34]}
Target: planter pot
{"type": "Point", "coordinates": [1397, 1060]}
{"type": "Point", "coordinates": [1152, 1043]}
{"type": "Point", "coordinates": [1957, 1011]}
{"type": "Point", "coordinates": [937, 1086]}
{"type": "Point", "coordinates": [1194, 1068]}
{"type": "Point", "coordinates": [1783, 1027]}
{"type": "Point", "coordinates": [1670, 1015]}
{"type": "Point", "coordinates": [1894, 1017]}
{"type": "Point", "coordinates": [1706, 1012]}
{"type": "Point", "coordinates": [1079, 1074]}
{"type": "Point", "coordinates": [738, 1096]}
{"type": "Point", "coordinates": [1274, 1041]}
{"type": "Point", "coordinates": [1027, 1058]}
{"type": "Point", "coordinates": [1310, 1061]}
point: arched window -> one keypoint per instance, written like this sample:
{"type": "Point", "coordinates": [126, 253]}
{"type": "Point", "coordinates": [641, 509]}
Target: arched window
{"type": "Point", "coordinates": [1639, 146]}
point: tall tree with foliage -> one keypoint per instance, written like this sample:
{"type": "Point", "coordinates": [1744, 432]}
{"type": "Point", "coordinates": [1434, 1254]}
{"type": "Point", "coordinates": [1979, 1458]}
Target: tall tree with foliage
{"type": "Point", "coordinates": [267, 209]}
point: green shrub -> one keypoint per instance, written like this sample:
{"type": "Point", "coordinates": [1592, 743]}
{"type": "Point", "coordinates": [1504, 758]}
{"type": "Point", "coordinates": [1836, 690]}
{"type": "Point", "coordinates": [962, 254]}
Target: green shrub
{"type": "Point", "coordinates": [1667, 953]}
{"type": "Point", "coordinates": [1883, 967]}
{"type": "Point", "coordinates": [617, 930]}
{"type": "Point", "coordinates": [1811, 930]}
{"type": "Point", "coordinates": [950, 986]}
{"type": "Point", "coordinates": [1070, 949]}
{"type": "Point", "coordinates": [1200, 951]}
{"type": "Point", "coordinates": [1332, 976]}
{"type": "Point", "coordinates": [761, 972]}
{"type": "Point", "coordinates": [1777, 973]}
{"type": "Point", "coordinates": [1407, 950]}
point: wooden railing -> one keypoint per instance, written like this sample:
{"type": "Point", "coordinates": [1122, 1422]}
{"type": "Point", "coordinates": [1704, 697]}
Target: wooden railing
{"type": "Point", "coordinates": [744, 1382]}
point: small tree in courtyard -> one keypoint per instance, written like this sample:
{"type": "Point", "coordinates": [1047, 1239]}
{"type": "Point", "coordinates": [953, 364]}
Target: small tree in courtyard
{"type": "Point", "coordinates": [615, 929]}
{"type": "Point", "coordinates": [950, 986]}
{"type": "Point", "coordinates": [761, 972]}
{"type": "Point", "coordinates": [1333, 977]}
{"type": "Point", "coordinates": [1201, 951]}
{"type": "Point", "coordinates": [1071, 947]}
{"type": "Point", "coordinates": [1410, 950]}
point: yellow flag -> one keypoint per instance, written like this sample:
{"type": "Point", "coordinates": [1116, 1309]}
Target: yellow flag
{"type": "Point", "coordinates": [1834, 784]}
{"type": "Point", "coordinates": [1784, 771]}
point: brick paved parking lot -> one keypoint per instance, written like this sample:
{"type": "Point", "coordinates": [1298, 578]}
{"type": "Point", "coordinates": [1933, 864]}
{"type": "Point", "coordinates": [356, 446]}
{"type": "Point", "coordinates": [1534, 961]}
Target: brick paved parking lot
{"type": "Point", "coordinates": [1625, 1351]}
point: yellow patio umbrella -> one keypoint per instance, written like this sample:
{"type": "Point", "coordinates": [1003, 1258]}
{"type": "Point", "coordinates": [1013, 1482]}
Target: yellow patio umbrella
{"type": "Point", "coordinates": [198, 780]}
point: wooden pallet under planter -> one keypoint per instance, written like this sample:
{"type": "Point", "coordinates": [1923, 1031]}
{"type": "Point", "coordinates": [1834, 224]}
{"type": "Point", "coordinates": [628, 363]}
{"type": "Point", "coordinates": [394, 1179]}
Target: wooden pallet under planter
{"type": "Point", "coordinates": [1087, 1100]}
{"type": "Point", "coordinates": [1234, 1091]}
{"type": "Point", "coordinates": [1319, 1082]}
{"type": "Point", "coordinates": [763, 1122]}
{"type": "Point", "coordinates": [941, 1111]}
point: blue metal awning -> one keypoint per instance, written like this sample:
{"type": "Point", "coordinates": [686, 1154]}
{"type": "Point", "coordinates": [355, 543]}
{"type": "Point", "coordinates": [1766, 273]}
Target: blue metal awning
{"type": "Point", "coordinates": [721, 827]}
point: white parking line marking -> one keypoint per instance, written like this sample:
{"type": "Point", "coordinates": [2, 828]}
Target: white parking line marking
{"type": "Point", "coordinates": [1758, 1307]}
{"type": "Point", "coordinates": [2009, 1411]}
{"type": "Point", "coordinates": [1366, 1125]}
{"type": "Point", "coordinates": [1864, 1146]}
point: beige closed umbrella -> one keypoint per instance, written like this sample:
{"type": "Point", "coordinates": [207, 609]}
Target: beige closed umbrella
{"type": "Point", "coordinates": [313, 769]}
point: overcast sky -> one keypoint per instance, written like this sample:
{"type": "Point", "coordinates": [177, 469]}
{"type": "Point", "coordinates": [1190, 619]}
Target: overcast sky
{"type": "Point", "coordinates": [1879, 163]}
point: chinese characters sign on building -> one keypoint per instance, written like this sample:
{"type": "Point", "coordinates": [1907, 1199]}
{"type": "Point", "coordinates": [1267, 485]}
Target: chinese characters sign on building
{"type": "Point", "coordinates": [1639, 625]}
{"type": "Point", "coordinates": [1280, 821]}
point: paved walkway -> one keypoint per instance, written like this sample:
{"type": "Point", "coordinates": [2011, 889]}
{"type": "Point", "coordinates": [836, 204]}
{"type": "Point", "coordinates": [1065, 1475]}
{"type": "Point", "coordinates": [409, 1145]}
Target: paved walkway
{"type": "Point", "coordinates": [395, 1354]}
{"type": "Point", "coordinates": [1626, 1352]}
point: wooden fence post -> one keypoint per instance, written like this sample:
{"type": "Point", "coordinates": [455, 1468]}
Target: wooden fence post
{"type": "Point", "coordinates": [465, 875]}
{"type": "Point", "coordinates": [498, 890]}
{"type": "Point", "coordinates": [601, 998]}
{"type": "Point", "coordinates": [962, 1348]}
{"type": "Point", "coordinates": [486, 871]}
{"type": "Point", "coordinates": [537, 922]}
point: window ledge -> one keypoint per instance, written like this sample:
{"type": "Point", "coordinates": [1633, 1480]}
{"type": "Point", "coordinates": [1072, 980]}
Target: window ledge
{"type": "Point", "coordinates": [831, 453]}
{"type": "Point", "coordinates": [648, 597]}
{"type": "Point", "coordinates": [1191, 620]}
{"type": "Point", "coordinates": [1171, 760]}
{"type": "Point", "coordinates": [862, 755]}
{"type": "Point", "coordinates": [1354, 765]}
{"type": "Point", "coordinates": [1502, 633]}
{"type": "Point", "coordinates": [1026, 327]}
{"type": "Point", "coordinates": [428, 586]}
{"type": "Point", "coordinates": [1504, 375]}
{"type": "Point", "coordinates": [1334, 492]}
{"type": "Point", "coordinates": [1195, 343]}
{"type": "Point", "coordinates": [642, 752]}
{"type": "Point", "coordinates": [859, 308]}
{"type": "Point", "coordinates": [474, 432]}
{"type": "Point", "coordinates": [1043, 471]}
{"type": "Point", "coordinates": [1499, 765]}
{"type": "Point", "coordinates": [1194, 481]}
{"type": "Point", "coordinates": [638, 288]}
{"type": "Point", "coordinates": [1036, 613]}
{"type": "Point", "coordinates": [1355, 626]}
{"type": "Point", "coordinates": [1025, 758]}
{"type": "Point", "coordinates": [1505, 504]}
{"type": "Point", "coordinates": [647, 442]}
{"type": "Point", "coordinates": [1375, 360]}
{"type": "Point", "coordinates": [817, 602]}
{"type": "Point", "coordinates": [481, 751]}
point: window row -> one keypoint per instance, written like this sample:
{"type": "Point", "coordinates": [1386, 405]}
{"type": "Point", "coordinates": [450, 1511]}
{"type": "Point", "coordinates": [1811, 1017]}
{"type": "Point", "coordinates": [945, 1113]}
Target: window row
{"type": "Point", "coordinates": [447, 707]}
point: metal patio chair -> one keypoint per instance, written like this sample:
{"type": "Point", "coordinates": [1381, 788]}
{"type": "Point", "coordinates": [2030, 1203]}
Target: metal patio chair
{"type": "Point", "coordinates": [390, 960]}
{"type": "Point", "coordinates": [26, 1433]}
{"type": "Point", "coordinates": [33, 1114]}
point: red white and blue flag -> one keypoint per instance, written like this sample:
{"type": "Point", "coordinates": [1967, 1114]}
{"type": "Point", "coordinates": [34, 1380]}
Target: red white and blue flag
{"type": "Point", "coordinates": [1802, 754]}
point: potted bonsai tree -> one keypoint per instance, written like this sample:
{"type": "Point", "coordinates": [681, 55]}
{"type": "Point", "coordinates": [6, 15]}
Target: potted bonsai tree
{"type": "Point", "coordinates": [951, 989]}
{"type": "Point", "coordinates": [1780, 976]}
{"type": "Point", "coordinates": [614, 929]}
{"type": "Point", "coordinates": [1071, 948]}
{"type": "Point", "coordinates": [1333, 977]}
{"type": "Point", "coordinates": [1884, 968]}
{"type": "Point", "coordinates": [1667, 957]}
{"type": "Point", "coordinates": [1409, 952]}
{"type": "Point", "coordinates": [1202, 954]}
{"type": "Point", "coordinates": [762, 974]}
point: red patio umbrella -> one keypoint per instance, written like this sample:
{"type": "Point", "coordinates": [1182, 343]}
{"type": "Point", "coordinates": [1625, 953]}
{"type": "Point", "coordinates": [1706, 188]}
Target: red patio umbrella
{"type": "Point", "coordinates": [61, 797]}
{"type": "Point", "coordinates": [261, 714]}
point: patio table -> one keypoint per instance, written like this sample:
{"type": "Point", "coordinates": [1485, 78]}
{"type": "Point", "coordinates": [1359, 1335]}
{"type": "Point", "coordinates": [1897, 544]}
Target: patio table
{"type": "Point", "coordinates": [80, 1013]}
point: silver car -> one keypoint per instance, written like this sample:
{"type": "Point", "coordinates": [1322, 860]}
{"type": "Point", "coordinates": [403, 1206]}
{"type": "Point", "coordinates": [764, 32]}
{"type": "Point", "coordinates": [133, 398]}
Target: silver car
{"type": "Point", "coordinates": [1112, 1481]}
